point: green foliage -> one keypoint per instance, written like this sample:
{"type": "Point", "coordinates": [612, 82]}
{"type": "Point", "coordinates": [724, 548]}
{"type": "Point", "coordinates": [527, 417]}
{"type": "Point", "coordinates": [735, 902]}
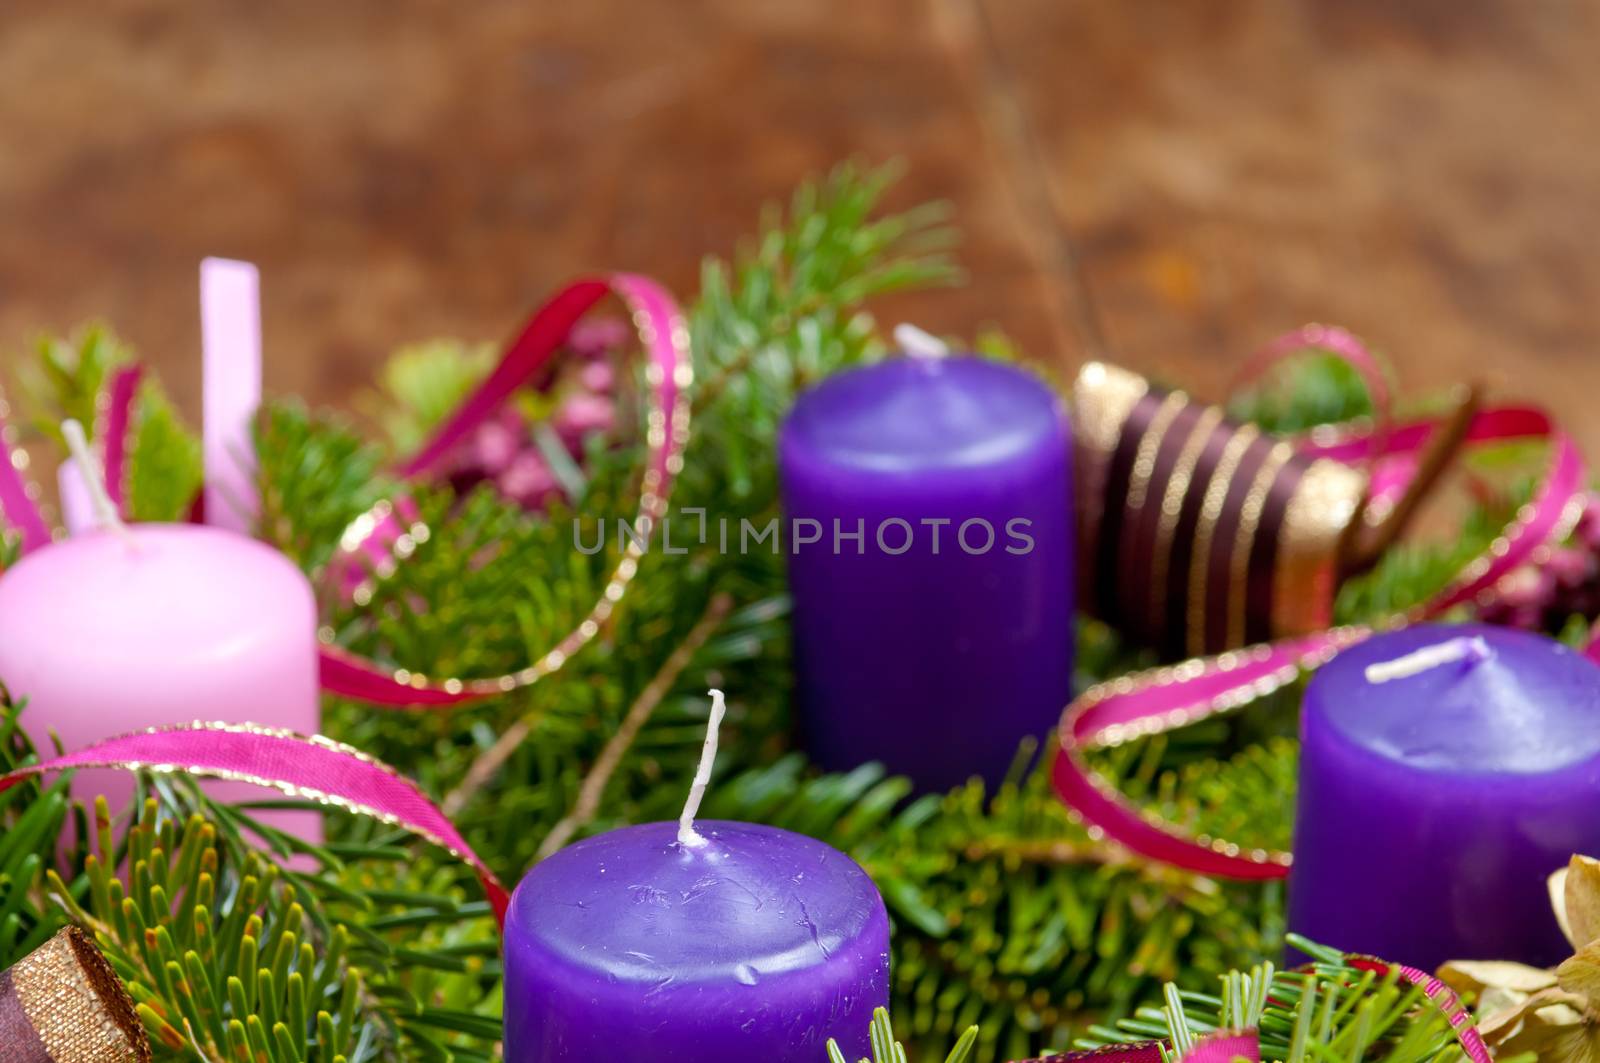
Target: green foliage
{"type": "Point", "coordinates": [65, 376]}
{"type": "Point", "coordinates": [422, 384]}
{"type": "Point", "coordinates": [885, 1049]}
{"type": "Point", "coordinates": [1332, 1011]}
{"type": "Point", "coordinates": [354, 951]}
{"type": "Point", "coordinates": [322, 476]}
{"type": "Point", "coordinates": [1301, 393]}
{"type": "Point", "coordinates": [411, 925]}
{"type": "Point", "coordinates": [221, 975]}
{"type": "Point", "coordinates": [1006, 913]}
{"type": "Point", "coordinates": [1047, 926]}
{"type": "Point", "coordinates": [790, 312]}
{"type": "Point", "coordinates": [1412, 572]}
{"type": "Point", "coordinates": [164, 462]}
{"type": "Point", "coordinates": [32, 818]}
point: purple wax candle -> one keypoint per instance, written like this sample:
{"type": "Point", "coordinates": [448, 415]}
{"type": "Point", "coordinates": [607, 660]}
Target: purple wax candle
{"type": "Point", "coordinates": [930, 563]}
{"type": "Point", "coordinates": [694, 943]}
{"type": "Point", "coordinates": [1444, 773]}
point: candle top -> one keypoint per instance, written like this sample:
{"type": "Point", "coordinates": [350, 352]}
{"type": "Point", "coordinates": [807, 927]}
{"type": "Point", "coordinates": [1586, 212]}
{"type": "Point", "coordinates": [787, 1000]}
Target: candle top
{"type": "Point", "coordinates": [1509, 702]}
{"type": "Point", "coordinates": [176, 588]}
{"type": "Point", "coordinates": [638, 906]}
{"type": "Point", "coordinates": [909, 414]}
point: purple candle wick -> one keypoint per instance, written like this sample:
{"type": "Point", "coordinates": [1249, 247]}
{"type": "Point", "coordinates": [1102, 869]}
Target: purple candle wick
{"type": "Point", "coordinates": [919, 343]}
{"type": "Point", "coordinates": [1471, 649]}
{"type": "Point", "coordinates": [105, 511]}
{"type": "Point", "coordinates": [687, 835]}
{"type": "Point", "coordinates": [655, 942]}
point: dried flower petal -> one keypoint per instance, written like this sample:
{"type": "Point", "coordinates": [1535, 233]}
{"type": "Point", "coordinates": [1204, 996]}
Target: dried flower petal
{"type": "Point", "coordinates": [1581, 901]}
{"type": "Point", "coordinates": [1580, 974]}
{"type": "Point", "coordinates": [1475, 976]}
{"type": "Point", "coordinates": [1574, 1044]}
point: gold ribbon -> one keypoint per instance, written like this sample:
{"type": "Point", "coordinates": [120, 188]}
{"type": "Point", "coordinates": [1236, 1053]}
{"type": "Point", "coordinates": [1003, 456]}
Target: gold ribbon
{"type": "Point", "coordinates": [63, 1003]}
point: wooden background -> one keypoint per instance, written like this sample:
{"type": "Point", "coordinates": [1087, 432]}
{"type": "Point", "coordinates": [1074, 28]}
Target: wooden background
{"type": "Point", "coordinates": [1168, 184]}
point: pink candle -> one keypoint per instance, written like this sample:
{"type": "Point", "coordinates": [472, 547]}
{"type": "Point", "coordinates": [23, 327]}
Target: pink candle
{"type": "Point", "coordinates": [105, 634]}
{"type": "Point", "coordinates": [230, 335]}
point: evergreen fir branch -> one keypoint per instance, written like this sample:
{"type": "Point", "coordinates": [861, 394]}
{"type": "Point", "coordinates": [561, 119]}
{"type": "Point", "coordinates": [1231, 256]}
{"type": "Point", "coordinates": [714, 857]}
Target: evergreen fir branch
{"type": "Point", "coordinates": [1007, 915]}
{"type": "Point", "coordinates": [790, 312]}
{"type": "Point", "coordinates": [1317, 388]}
{"type": "Point", "coordinates": [165, 469]}
{"type": "Point", "coordinates": [1412, 572]}
{"type": "Point", "coordinates": [1006, 912]}
{"type": "Point", "coordinates": [400, 952]}
{"type": "Point", "coordinates": [415, 926]}
{"type": "Point", "coordinates": [218, 959]}
{"type": "Point", "coordinates": [420, 385]}
{"type": "Point", "coordinates": [885, 1049]}
{"type": "Point", "coordinates": [33, 817]}
{"type": "Point", "coordinates": [317, 475]}
{"type": "Point", "coordinates": [64, 378]}
{"type": "Point", "coordinates": [1080, 928]}
{"type": "Point", "coordinates": [1331, 1011]}
{"type": "Point", "coordinates": [800, 287]}
{"type": "Point", "coordinates": [592, 790]}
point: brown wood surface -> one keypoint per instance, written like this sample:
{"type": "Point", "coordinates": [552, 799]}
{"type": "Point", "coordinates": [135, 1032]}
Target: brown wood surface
{"type": "Point", "coordinates": [1167, 183]}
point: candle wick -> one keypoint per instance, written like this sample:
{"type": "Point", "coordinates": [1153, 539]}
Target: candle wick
{"type": "Point", "coordinates": [105, 511]}
{"type": "Point", "coordinates": [919, 343]}
{"type": "Point", "coordinates": [687, 835]}
{"type": "Point", "coordinates": [1462, 648]}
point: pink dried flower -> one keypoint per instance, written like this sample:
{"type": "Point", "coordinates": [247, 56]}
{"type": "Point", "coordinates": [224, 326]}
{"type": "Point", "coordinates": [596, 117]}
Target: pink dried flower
{"type": "Point", "coordinates": [583, 415]}
{"type": "Point", "coordinates": [529, 480]}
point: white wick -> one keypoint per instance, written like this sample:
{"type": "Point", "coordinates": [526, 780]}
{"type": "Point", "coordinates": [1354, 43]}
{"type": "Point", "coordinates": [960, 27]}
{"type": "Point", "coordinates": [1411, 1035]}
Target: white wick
{"type": "Point", "coordinates": [687, 835]}
{"type": "Point", "coordinates": [105, 511]}
{"type": "Point", "coordinates": [1461, 648]}
{"type": "Point", "coordinates": [919, 343]}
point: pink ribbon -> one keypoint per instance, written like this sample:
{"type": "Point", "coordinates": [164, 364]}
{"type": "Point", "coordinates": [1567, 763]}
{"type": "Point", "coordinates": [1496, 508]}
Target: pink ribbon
{"type": "Point", "coordinates": [1438, 994]}
{"type": "Point", "coordinates": [1176, 696]}
{"type": "Point", "coordinates": [668, 372]}
{"type": "Point", "coordinates": [315, 768]}
{"type": "Point", "coordinates": [328, 773]}
{"type": "Point", "coordinates": [116, 430]}
{"type": "Point", "coordinates": [231, 321]}
{"type": "Point", "coordinates": [1168, 698]}
{"type": "Point", "coordinates": [18, 505]}
{"type": "Point", "coordinates": [1224, 1047]}
{"type": "Point", "coordinates": [1346, 345]}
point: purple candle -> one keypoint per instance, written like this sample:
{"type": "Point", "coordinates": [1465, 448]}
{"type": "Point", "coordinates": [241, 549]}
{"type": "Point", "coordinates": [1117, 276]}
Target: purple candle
{"type": "Point", "coordinates": [1445, 772]}
{"type": "Point", "coordinates": [930, 562]}
{"type": "Point", "coordinates": [676, 942]}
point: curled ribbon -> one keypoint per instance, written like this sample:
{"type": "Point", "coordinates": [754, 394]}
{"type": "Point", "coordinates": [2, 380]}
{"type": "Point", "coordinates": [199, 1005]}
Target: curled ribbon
{"type": "Point", "coordinates": [114, 425]}
{"type": "Point", "coordinates": [19, 505]}
{"type": "Point", "coordinates": [313, 768]}
{"type": "Point", "coordinates": [1441, 996]}
{"type": "Point", "coordinates": [1225, 1046]}
{"type": "Point", "coordinates": [668, 374]}
{"type": "Point", "coordinates": [335, 775]}
{"type": "Point", "coordinates": [1343, 344]}
{"type": "Point", "coordinates": [1167, 698]}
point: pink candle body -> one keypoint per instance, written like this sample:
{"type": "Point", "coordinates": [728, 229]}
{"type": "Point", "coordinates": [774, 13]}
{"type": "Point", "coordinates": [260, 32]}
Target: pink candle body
{"type": "Point", "coordinates": [103, 637]}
